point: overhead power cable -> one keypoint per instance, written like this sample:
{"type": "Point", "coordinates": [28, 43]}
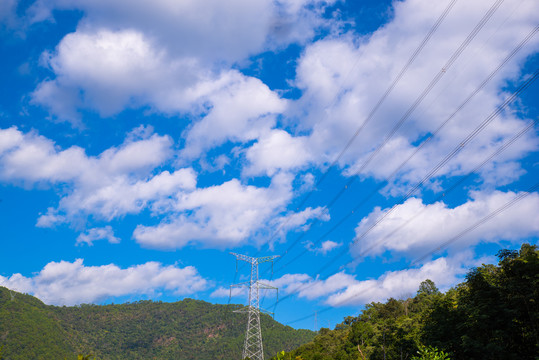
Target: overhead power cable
{"type": "Point", "coordinates": [517, 136]}
{"type": "Point", "coordinates": [380, 101]}
{"type": "Point", "coordinates": [416, 103]}
{"type": "Point", "coordinates": [498, 110]}
{"type": "Point", "coordinates": [387, 92]}
{"type": "Point", "coordinates": [419, 147]}
{"type": "Point", "coordinates": [433, 82]}
{"type": "Point", "coordinates": [447, 158]}
{"type": "Point", "coordinates": [477, 224]}
{"type": "Point", "coordinates": [395, 81]}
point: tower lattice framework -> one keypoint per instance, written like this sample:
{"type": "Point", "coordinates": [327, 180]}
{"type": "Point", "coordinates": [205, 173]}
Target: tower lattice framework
{"type": "Point", "coordinates": [253, 348]}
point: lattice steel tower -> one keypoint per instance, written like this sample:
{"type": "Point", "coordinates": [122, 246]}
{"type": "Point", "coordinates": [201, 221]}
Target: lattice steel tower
{"type": "Point", "coordinates": [252, 347]}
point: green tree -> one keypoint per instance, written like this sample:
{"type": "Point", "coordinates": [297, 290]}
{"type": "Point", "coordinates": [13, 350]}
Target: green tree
{"type": "Point", "coordinates": [494, 313]}
{"type": "Point", "coordinates": [430, 353]}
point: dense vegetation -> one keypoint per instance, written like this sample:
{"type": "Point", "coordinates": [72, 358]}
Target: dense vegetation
{"type": "Point", "coordinates": [189, 329]}
{"type": "Point", "coordinates": [494, 314]}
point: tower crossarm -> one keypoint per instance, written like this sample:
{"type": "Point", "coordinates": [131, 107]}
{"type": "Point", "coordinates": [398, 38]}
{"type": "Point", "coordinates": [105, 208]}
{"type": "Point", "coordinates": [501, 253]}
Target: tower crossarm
{"type": "Point", "coordinates": [249, 259]}
{"type": "Point", "coordinates": [253, 260]}
{"type": "Point", "coordinates": [240, 285]}
{"type": "Point", "coordinates": [267, 258]}
{"type": "Point", "coordinates": [261, 285]}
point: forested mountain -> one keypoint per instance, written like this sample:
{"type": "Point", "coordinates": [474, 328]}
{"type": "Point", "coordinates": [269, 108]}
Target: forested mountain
{"type": "Point", "coordinates": [493, 314]}
{"type": "Point", "coordinates": [188, 329]}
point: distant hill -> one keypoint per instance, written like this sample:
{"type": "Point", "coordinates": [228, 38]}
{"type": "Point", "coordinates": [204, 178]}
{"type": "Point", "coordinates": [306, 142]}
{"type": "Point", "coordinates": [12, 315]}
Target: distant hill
{"type": "Point", "coordinates": [188, 329]}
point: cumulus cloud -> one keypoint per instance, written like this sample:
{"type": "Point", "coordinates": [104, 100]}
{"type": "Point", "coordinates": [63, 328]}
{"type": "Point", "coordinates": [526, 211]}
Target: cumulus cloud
{"type": "Point", "coordinates": [301, 221]}
{"type": "Point", "coordinates": [112, 70]}
{"type": "Point", "coordinates": [414, 227]}
{"type": "Point", "coordinates": [241, 109]}
{"type": "Point", "coordinates": [70, 283]}
{"type": "Point", "coordinates": [209, 29]}
{"type": "Point", "coordinates": [118, 181]}
{"type": "Point", "coordinates": [444, 272]}
{"type": "Point", "coordinates": [127, 180]}
{"type": "Point", "coordinates": [324, 248]}
{"type": "Point", "coordinates": [122, 55]}
{"type": "Point", "coordinates": [31, 158]}
{"type": "Point", "coordinates": [222, 292]}
{"type": "Point", "coordinates": [277, 150]}
{"type": "Point", "coordinates": [94, 234]}
{"type": "Point", "coordinates": [342, 289]}
{"type": "Point", "coordinates": [221, 215]}
{"type": "Point", "coordinates": [343, 78]}
{"type": "Point", "coordinates": [169, 56]}
{"type": "Point", "coordinates": [109, 70]}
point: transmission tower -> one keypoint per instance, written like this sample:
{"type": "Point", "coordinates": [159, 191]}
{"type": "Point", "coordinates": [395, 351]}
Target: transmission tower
{"type": "Point", "coordinates": [252, 347]}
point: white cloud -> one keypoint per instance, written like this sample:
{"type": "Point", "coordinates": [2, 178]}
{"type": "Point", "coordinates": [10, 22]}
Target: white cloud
{"type": "Point", "coordinates": [305, 286]}
{"type": "Point", "coordinates": [298, 220]}
{"type": "Point", "coordinates": [277, 150]}
{"type": "Point", "coordinates": [127, 180]}
{"type": "Point", "coordinates": [69, 283]}
{"type": "Point", "coordinates": [123, 196]}
{"type": "Point", "coordinates": [33, 158]}
{"type": "Point", "coordinates": [222, 215]}
{"type": "Point", "coordinates": [139, 64]}
{"type": "Point", "coordinates": [436, 223]}
{"type": "Point", "coordinates": [343, 78]}
{"type": "Point", "coordinates": [169, 55]}
{"type": "Point", "coordinates": [324, 248]}
{"type": "Point", "coordinates": [222, 292]}
{"type": "Point", "coordinates": [94, 234]}
{"type": "Point", "coordinates": [322, 288]}
{"type": "Point", "coordinates": [208, 29]}
{"type": "Point", "coordinates": [290, 283]}
{"type": "Point", "coordinates": [343, 289]}
{"type": "Point", "coordinates": [240, 109]}
{"type": "Point", "coordinates": [118, 181]}
{"type": "Point", "coordinates": [110, 70]}
{"type": "Point", "coordinates": [444, 272]}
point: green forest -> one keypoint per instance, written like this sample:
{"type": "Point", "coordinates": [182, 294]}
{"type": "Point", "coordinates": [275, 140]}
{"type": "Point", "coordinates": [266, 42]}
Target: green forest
{"type": "Point", "coordinates": [188, 329]}
{"type": "Point", "coordinates": [493, 314]}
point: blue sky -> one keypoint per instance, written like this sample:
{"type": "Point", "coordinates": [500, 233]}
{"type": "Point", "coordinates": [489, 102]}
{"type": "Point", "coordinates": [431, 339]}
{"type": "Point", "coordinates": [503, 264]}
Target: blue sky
{"type": "Point", "coordinates": [141, 142]}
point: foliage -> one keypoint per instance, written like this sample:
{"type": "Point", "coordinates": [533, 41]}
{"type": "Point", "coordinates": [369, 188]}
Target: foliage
{"type": "Point", "coordinates": [494, 314]}
{"type": "Point", "coordinates": [430, 353]}
{"type": "Point", "coordinates": [188, 329]}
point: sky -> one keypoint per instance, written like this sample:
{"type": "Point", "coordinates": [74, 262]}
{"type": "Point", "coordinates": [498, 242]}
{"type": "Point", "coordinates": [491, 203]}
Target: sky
{"type": "Point", "coordinates": [369, 144]}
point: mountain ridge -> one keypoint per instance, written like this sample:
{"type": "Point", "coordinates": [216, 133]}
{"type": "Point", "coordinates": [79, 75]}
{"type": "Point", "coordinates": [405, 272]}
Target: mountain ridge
{"type": "Point", "coordinates": [186, 329]}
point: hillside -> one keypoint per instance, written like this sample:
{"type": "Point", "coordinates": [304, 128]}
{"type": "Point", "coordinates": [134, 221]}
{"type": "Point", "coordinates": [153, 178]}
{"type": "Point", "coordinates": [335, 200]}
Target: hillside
{"type": "Point", "coordinates": [493, 314]}
{"type": "Point", "coordinates": [188, 329]}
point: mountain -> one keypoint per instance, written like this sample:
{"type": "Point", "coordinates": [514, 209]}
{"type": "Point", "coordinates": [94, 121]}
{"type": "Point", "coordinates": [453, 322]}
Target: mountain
{"type": "Point", "coordinates": [188, 329]}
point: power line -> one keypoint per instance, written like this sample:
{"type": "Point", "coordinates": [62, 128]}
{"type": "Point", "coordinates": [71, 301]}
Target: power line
{"type": "Point", "coordinates": [425, 142]}
{"type": "Point", "coordinates": [388, 91]}
{"type": "Point", "coordinates": [483, 220]}
{"type": "Point", "coordinates": [412, 108]}
{"type": "Point", "coordinates": [422, 145]}
{"type": "Point", "coordinates": [460, 181]}
{"type": "Point", "coordinates": [458, 148]}
{"type": "Point", "coordinates": [433, 83]}
{"type": "Point", "coordinates": [474, 133]}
